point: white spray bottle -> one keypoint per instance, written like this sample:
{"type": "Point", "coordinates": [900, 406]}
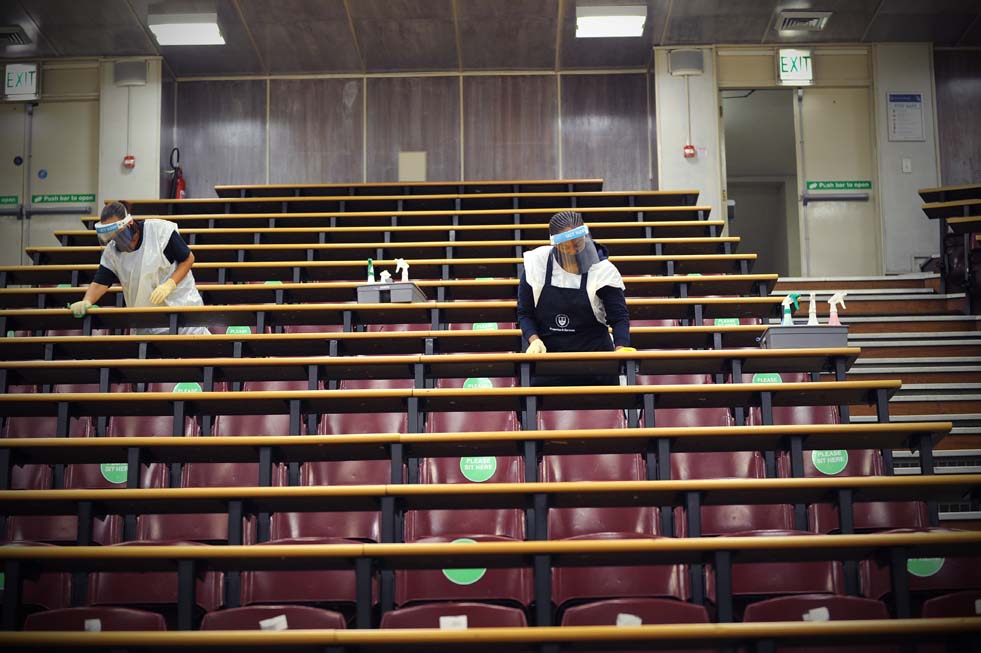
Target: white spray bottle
{"type": "Point", "coordinates": [836, 299]}
{"type": "Point", "coordinates": [812, 314]}
{"type": "Point", "coordinates": [792, 298]}
{"type": "Point", "coordinates": [401, 265]}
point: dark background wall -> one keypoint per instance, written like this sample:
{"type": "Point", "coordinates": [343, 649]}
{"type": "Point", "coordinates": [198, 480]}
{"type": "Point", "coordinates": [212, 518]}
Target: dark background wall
{"type": "Point", "coordinates": [958, 78]}
{"type": "Point", "coordinates": [524, 126]}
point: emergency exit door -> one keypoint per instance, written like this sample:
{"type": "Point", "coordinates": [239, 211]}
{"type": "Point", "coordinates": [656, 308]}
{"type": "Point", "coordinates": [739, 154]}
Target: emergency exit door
{"type": "Point", "coordinates": [839, 214]}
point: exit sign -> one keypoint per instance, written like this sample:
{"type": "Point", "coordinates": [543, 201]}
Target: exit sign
{"type": "Point", "coordinates": [20, 81]}
{"type": "Point", "coordinates": [794, 66]}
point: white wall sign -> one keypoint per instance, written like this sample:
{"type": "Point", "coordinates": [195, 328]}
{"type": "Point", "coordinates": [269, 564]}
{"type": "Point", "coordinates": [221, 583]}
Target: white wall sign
{"type": "Point", "coordinates": [20, 81]}
{"type": "Point", "coordinates": [794, 66]}
{"type": "Point", "coordinates": [904, 114]}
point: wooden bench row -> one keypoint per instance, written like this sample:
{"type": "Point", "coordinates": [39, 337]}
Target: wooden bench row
{"type": "Point", "coordinates": [500, 230]}
{"type": "Point", "coordinates": [451, 249]}
{"type": "Point", "coordinates": [240, 342]}
{"type": "Point", "coordinates": [450, 290]}
{"type": "Point", "coordinates": [432, 202]}
{"type": "Point", "coordinates": [412, 188]}
{"type": "Point", "coordinates": [960, 633]}
{"type": "Point", "coordinates": [347, 270]}
{"type": "Point", "coordinates": [348, 315]}
{"type": "Point", "coordinates": [274, 215]}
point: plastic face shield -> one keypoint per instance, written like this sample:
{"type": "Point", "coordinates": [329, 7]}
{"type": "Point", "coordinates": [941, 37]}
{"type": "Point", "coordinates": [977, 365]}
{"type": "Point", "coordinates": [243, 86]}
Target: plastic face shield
{"type": "Point", "coordinates": [120, 231]}
{"type": "Point", "coordinates": [575, 250]}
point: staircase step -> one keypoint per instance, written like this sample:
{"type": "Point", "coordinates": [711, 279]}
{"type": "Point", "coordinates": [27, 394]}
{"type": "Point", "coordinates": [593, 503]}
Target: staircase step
{"type": "Point", "coordinates": [966, 433]}
{"type": "Point", "coordinates": [892, 305]}
{"type": "Point", "coordinates": [924, 349]}
{"type": "Point", "coordinates": [910, 323]}
{"type": "Point", "coordinates": [913, 375]}
{"type": "Point", "coordinates": [923, 404]}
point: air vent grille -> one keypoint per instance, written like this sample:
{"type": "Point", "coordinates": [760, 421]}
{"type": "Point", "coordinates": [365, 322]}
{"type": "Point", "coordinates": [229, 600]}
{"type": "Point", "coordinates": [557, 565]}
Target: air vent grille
{"type": "Point", "coordinates": [13, 35]}
{"type": "Point", "coordinates": [802, 21]}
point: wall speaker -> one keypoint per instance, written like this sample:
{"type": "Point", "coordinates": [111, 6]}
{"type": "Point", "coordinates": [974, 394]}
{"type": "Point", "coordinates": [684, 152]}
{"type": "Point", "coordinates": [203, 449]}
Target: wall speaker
{"type": "Point", "coordinates": [686, 62]}
{"type": "Point", "coordinates": [129, 73]}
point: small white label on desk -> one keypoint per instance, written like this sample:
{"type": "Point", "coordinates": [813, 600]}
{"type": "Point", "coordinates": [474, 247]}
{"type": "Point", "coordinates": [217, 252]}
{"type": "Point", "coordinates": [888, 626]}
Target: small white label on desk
{"type": "Point", "coordinates": [817, 614]}
{"type": "Point", "coordinates": [453, 622]}
{"type": "Point", "coordinates": [92, 625]}
{"type": "Point", "coordinates": [627, 619]}
{"type": "Point", "coordinates": [274, 623]}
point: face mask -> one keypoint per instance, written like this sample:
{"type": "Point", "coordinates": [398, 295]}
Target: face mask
{"type": "Point", "coordinates": [124, 239]}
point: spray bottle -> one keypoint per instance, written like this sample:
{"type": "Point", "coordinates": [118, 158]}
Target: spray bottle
{"type": "Point", "coordinates": [792, 298]}
{"type": "Point", "coordinates": [400, 264]}
{"type": "Point", "coordinates": [837, 298]}
{"type": "Point", "coordinates": [386, 276]}
{"type": "Point", "coordinates": [812, 314]}
{"type": "Point", "coordinates": [371, 271]}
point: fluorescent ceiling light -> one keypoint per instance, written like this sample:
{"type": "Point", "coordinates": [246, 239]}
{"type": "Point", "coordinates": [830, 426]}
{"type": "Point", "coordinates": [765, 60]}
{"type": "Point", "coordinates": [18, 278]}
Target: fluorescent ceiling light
{"type": "Point", "coordinates": [606, 21]}
{"type": "Point", "coordinates": [186, 29]}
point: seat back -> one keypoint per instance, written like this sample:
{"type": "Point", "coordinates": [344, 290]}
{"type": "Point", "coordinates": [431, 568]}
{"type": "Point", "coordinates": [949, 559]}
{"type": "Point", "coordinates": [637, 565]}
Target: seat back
{"type": "Point", "coordinates": [477, 615]}
{"type": "Point", "coordinates": [294, 617]}
{"type": "Point", "coordinates": [447, 422]}
{"type": "Point", "coordinates": [554, 420]}
{"type": "Point", "coordinates": [958, 604]}
{"type": "Point", "coordinates": [648, 611]}
{"type": "Point", "coordinates": [471, 469]}
{"type": "Point", "coordinates": [324, 587]}
{"type": "Point", "coordinates": [345, 423]}
{"type": "Point", "coordinates": [156, 425]}
{"type": "Point", "coordinates": [41, 590]}
{"type": "Point", "coordinates": [105, 618]}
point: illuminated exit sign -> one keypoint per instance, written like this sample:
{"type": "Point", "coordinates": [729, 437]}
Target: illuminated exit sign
{"type": "Point", "coordinates": [20, 81]}
{"type": "Point", "coordinates": [794, 67]}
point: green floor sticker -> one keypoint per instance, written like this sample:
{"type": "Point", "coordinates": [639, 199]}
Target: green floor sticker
{"type": "Point", "coordinates": [114, 472]}
{"type": "Point", "coordinates": [767, 377]}
{"type": "Point", "coordinates": [273, 282]}
{"type": "Point", "coordinates": [477, 383]}
{"type": "Point", "coordinates": [464, 576]}
{"type": "Point", "coordinates": [485, 326]}
{"type": "Point", "coordinates": [238, 331]}
{"type": "Point", "coordinates": [64, 285]}
{"type": "Point", "coordinates": [187, 386]}
{"type": "Point", "coordinates": [829, 461]}
{"type": "Point", "coordinates": [10, 334]}
{"type": "Point", "coordinates": [924, 567]}
{"type": "Point", "coordinates": [726, 321]}
{"type": "Point", "coordinates": [478, 468]}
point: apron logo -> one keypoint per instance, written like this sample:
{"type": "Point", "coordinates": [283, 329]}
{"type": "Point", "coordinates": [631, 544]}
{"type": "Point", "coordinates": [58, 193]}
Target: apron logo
{"type": "Point", "coordinates": [562, 320]}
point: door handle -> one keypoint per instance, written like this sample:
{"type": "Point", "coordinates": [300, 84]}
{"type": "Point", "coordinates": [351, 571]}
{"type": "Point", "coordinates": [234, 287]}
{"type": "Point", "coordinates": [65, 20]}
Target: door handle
{"type": "Point", "coordinates": [806, 198]}
{"type": "Point", "coordinates": [64, 210]}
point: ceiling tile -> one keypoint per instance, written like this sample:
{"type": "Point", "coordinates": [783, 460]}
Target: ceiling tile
{"type": "Point", "coordinates": [11, 13]}
{"type": "Point", "coordinates": [82, 28]}
{"type": "Point", "coordinates": [612, 52]}
{"type": "Point", "coordinates": [940, 21]}
{"type": "Point", "coordinates": [718, 21]}
{"type": "Point", "coordinates": [972, 36]}
{"type": "Point", "coordinates": [507, 34]}
{"type": "Point", "coordinates": [405, 34]}
{"type": "Point", "coordinates": [848, 22]}
{"type": "Point", "coordinates": [302, 36]}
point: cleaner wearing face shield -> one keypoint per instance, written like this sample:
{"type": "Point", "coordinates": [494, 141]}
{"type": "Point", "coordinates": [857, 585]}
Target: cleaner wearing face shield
{"type": "Point", "coordinates": [149, 259]}
{"type": "Point", "coordinates": [569, 293]}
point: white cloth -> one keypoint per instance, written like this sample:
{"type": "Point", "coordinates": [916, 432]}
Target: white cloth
{"type": "Point", "coordinates": [601, 274]}
{"type": "Point", "coordinates": [141, 271]}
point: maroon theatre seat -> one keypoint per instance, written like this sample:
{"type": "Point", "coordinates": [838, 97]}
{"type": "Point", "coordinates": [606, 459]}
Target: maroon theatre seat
{"type": "Point", "coordinates": [474, 469]}
{"type": "Point", "coordinates": [555, 420]}
{"type": "Point", "coordinates": [313, 328]}
{"type": "Point", "coordinates": [760, 579]}
{"type": "Point", "coordinates": [346, 423]}
{"type": "Point", "coordinates": [150, 425]}
{"type": "Point", "coordinates": [42, 590]}
{"type": "Point", "coordinates": [448, 422]}
{"type": "Point", "coordinates": [819, 607]}
{"type": "Point", "coordinates": [109, 619]}
{"type": "Point", "coordinates": [423, 585]}
{"type": "Point", "coordinates": [479, 615]}
{"type": "Point", "coordinates": [154, 588]}
{"type": "Point", "coordinates": [331, 586]}
{"type": "Point", "coordinates": [298, 617]}
{"type": "Point", "coordinates": [649, 611]}
{"type": "Point", "coordinates": [958, 604]}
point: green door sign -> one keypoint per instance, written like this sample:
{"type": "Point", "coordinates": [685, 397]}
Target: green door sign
{"type": "Point", "coordinates": [840, 185]}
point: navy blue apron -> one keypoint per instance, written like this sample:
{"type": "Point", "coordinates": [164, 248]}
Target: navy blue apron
{"type": "Point", "coordinates": [565, 321]}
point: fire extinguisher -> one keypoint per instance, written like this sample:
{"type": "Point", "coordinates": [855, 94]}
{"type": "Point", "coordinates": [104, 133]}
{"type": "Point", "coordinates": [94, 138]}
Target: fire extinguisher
{"type": "Point", "coordinates": [178, 189]}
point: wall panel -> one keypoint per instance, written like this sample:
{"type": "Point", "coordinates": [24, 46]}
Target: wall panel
{"type": "Point", "coordinates": [315, 130]}
{"type": "Point", "coordinates": [167, 120]}
{"type": "Point", "coordinates": [413, 114]}
{"type": "Point", "coordinates": [509, 127]}
{"type": "Point", "coordinates": [958, 78]}
{"type": "Point", "coordinates": [221, 130]}
{"type": "Point", "coordinates": [604, 129]}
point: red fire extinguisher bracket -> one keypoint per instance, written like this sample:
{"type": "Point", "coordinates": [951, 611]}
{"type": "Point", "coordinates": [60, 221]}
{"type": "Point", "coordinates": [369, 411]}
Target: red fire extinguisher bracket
{"type": "Point", "coordinates": [689, 151]}
{"type": "Point", "coordinates": [129, 161]}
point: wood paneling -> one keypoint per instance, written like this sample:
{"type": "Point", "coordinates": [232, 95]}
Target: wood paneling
{"type": "Point", "coordinates": [315, 130]}
{"type": "Point", "coordinates": [302, 36]}
{"type": "Point", "coordinates": [958, 77]}
{"type": "Point", "coordinates": [507, 34]}
{"type": "Point", "coordinates": [604, 129]}
{"type": "Point", "coordinates": [411, 114]}
{"type": "Point", "coordinates": [509, 125]}
{"type": "Point", "coordinates": [221, 130]}
{"type": "Point", "coordinates": [405, 34]}
{"type": "Point", "coordinates": [167, 118]}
